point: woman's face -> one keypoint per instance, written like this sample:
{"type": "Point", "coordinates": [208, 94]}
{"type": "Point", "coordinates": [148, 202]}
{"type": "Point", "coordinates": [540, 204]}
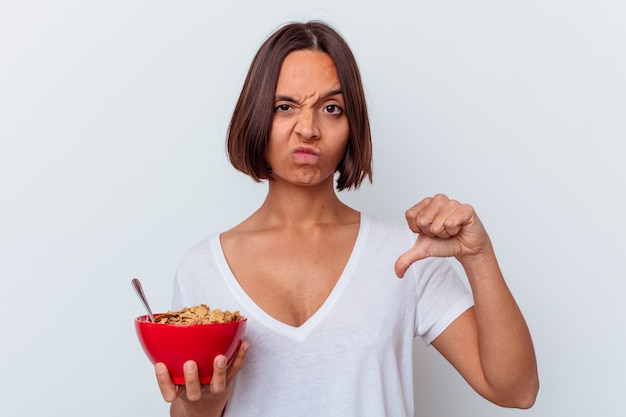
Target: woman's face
{"type": "Point", "coordinates": [309, 133]}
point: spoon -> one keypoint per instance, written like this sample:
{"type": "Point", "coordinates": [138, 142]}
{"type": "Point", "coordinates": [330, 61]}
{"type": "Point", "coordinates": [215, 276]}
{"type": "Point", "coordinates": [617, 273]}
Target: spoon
{"type": "Point", "coordinates": [137, 286]}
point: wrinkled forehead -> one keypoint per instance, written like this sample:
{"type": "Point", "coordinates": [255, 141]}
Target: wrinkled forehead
{"type": "Point", "coordinates": [307, 72]}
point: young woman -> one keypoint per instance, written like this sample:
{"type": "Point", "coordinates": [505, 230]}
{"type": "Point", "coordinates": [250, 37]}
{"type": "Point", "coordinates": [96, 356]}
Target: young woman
{"type": "Point", "coordinates": [330, 325]}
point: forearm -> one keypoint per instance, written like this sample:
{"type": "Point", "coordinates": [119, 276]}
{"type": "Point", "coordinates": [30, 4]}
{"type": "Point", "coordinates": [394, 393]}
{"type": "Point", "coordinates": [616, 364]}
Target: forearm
{"type": "Point", "coordinates": [505, 346]}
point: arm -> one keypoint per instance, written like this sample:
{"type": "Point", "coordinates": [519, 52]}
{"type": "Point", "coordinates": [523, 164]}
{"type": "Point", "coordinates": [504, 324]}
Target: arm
{"type": "Point", "coordinates": [195, 400]}
{"type": "Point", "coordinates": [489, 344]}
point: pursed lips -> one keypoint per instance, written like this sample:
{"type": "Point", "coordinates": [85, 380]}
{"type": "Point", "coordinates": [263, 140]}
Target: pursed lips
{"type": "Point", "coordinates": [302, 154]}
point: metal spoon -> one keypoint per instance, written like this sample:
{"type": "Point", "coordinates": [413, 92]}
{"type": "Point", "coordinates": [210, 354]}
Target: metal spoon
{"type": "Point", "coordinates": [139, 290]}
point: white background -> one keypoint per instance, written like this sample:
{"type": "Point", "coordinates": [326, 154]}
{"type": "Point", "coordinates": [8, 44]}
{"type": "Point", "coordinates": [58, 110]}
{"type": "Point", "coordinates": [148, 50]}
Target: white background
{"type": "Point", "coordinates": [112, 123]}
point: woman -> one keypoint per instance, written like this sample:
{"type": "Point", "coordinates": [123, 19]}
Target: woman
{"type": "Point", "coordinates": [331, 327]}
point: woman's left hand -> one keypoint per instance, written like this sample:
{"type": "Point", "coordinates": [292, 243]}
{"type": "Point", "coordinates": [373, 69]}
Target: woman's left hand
{"type": "Point", "coordinates": [446, 228]}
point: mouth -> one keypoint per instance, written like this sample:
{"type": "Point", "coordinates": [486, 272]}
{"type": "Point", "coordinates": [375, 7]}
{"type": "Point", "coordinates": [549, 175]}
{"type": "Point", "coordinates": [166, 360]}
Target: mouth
{"type": "Point", "coordinates": [302, 154]}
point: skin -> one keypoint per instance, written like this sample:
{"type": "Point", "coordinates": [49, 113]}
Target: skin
{"type": "Point", "coordinates": [302, 235]}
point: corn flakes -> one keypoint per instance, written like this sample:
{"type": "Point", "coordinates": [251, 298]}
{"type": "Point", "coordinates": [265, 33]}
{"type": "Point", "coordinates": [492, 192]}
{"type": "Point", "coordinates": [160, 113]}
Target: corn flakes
{"type": "Point", "coordinates": [200, 314]}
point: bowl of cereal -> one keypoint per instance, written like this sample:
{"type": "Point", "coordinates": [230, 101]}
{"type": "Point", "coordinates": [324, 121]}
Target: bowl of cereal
{"type": "Point", "coordinates": [194, 333]}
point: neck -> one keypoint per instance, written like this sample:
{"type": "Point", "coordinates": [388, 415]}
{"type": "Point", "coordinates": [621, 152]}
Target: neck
{"type": "Point", "coordinates": [304, 206]}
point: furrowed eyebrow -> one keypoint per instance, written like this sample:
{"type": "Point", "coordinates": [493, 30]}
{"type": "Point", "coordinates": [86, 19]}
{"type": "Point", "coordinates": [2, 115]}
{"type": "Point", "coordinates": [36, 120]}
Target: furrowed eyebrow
{"type": "Point", "coordinates": [333, 93]}
{"type": "Point", "coordinates": [285, 98]}
{"type": "Point", "coordinates": [293, 100]}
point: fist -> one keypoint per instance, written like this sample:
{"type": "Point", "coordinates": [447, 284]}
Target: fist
{"type": "Point", "coordinates": [446, 228]}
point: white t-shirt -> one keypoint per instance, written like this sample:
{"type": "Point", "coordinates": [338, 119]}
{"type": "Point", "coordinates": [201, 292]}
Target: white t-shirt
{"type": "Point", "coordinates": [353, 357]}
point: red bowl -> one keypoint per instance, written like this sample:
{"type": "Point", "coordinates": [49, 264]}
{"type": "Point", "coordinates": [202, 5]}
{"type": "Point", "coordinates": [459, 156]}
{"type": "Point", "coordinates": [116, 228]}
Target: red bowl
{"type": "Point", "coordinates": [174, 344]}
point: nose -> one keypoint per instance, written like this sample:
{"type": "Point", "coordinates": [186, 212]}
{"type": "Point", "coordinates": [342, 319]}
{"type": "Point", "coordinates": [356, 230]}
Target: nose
{"type": "Point", "coordinates": [307, 127]}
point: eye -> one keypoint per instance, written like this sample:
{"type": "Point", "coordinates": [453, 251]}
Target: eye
{"type": "Point", "coordinates": [282, 108]}
{"type": "Point", "coordinates": [333, 109]}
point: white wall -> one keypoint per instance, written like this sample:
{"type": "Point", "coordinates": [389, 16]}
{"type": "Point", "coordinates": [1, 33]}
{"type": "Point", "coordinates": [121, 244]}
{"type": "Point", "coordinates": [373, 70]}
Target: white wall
{"type": "Point", "coordinates": [112, 122]}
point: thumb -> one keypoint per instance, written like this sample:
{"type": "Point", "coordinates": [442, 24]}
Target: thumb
{"type": "Point", "coordinates": [407, 258]}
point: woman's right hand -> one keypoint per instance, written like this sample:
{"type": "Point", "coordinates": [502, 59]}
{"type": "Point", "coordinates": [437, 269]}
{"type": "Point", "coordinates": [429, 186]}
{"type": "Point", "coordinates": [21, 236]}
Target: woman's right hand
{"type": "Point", "coordinates": [194, 399]}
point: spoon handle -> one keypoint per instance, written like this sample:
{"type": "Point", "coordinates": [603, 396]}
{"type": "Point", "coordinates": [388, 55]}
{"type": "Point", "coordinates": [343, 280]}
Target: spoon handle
{"type": "Point", "coordinates": [139, 290]}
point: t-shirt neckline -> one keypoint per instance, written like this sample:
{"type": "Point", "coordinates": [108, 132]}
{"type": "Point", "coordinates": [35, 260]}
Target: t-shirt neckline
{"type": "Point", "coordinates": [302, 331]}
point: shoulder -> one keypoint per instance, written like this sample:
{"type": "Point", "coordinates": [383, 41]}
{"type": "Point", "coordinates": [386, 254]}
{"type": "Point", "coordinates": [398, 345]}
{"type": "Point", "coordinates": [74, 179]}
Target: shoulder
{"type": "Point", "coordinates": [200, 252]}
{"type": "Point", "coordinates": [388, 230]}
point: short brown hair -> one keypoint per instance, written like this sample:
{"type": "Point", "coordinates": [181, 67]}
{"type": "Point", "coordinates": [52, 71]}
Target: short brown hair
{"type": "Point", "coordinates": [251, 122]}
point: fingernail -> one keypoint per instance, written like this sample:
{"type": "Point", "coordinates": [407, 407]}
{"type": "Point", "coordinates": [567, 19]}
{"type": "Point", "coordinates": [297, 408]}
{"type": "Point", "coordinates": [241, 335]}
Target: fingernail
{"type": "Point", "coordinates": [189, 367]}
{"type": "Point", "coordinates": [221, 362]}
{"type": "Point", "coordinates": [160, 368]}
